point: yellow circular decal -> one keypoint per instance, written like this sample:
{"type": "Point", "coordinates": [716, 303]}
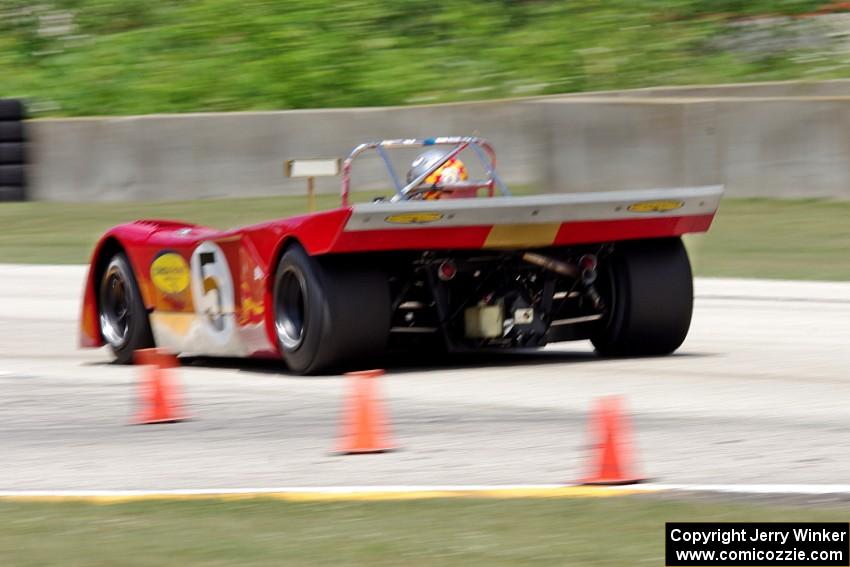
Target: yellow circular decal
{"type": "Point", "coordinates": [656, 206]}
{"type": "Point", "coordinates": [170, 273]}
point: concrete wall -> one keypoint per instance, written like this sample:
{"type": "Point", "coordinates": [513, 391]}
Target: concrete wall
{"type": "Point", "coordinates": [628, 144]}
{"type": "Point", "coordinates": [781, 146]}
{"type": "Point", "coordinates": [226, 155]}
{"type": "Point", "coordinates": [786, 148]}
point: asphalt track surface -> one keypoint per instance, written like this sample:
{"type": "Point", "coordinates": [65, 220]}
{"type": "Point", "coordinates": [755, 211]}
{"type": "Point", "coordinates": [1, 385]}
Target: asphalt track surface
{"type": "Point", "coordinates": [759, 393]}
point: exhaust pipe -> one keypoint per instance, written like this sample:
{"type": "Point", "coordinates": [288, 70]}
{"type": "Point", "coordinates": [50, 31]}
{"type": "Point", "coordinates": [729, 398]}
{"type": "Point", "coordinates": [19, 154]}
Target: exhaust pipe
{"type": "Point", "coordinates": [553, 265]}
{"type": "Point", "coordinates": [586, 272]}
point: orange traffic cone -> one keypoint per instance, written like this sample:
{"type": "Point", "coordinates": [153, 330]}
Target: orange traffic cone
{"type": "Point", "coordinates": [158, 395]}
{"type": "Point", "coordinates": [364, 429]}
{"type": "Point", "coordinates": [611, 456]}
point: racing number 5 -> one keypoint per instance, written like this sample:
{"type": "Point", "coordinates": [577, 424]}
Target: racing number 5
{"type": "Point", "coordinates": [213, 306]}
{"type": "Point", "coordinates": [212, 291]}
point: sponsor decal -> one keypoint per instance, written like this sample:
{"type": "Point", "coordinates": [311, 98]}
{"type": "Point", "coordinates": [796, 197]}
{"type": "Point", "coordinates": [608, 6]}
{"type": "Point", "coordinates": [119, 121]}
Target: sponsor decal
{"type": "Point", "coordinates": [170, 273]}
{"type": "Point", "coordinates": [251, 290]}
{"type": "Point", "coordinates": [413, 218]}
{"type": "Point", "coordinates": [656, 206]}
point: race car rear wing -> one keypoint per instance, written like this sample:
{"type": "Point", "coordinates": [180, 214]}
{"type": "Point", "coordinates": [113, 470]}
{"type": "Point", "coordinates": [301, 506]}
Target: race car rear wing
{"type": "Point", "coordinates": [529, 221]}
{"type": "Point", "coordinates": [409, 220]}
{"type": "Point", "coordinates": [538, 209]}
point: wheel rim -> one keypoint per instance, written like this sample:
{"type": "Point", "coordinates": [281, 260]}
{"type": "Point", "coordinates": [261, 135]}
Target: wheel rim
{"type": "Point", "coordinates": [291, 309]}
{"type": "Point", "coordinates": [115, 309]}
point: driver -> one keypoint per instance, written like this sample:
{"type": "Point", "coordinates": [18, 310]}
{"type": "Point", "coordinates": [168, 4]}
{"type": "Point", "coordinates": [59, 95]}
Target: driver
{"type": "Point", "coordinates": [448, 174]}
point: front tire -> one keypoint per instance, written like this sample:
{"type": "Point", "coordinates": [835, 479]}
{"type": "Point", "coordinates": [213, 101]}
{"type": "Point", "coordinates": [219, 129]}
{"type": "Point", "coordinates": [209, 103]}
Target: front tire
{"type": "Point", "coordinates": [329, 312]}
{"type": "Point", "coordinates": [122, 315]}
{"type": "Point", "coordinates": [650, 298]}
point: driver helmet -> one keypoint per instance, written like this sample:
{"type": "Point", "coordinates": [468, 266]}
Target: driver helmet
{"type": "Point", "coordinates": [453, 171]}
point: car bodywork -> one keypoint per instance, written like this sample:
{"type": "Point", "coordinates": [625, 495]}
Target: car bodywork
{"type": "Point", "coordinates": [210, 292]}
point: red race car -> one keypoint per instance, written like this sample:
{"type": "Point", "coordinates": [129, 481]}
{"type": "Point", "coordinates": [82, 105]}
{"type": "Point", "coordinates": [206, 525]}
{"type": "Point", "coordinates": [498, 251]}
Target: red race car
{"type": "Point", "coordinates": [447, 263]}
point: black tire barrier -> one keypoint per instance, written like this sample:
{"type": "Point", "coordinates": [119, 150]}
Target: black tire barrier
{"type": "Point", "coordinates": [11, 131]}
{"type": "Point", "coordinates": [12, 109]}
{"type": "Point", "coordinates": [12, 194]}
{"type": "Point", "coordinates": [12, 153]}
{"type": "Point", "coordinates": [12, 175]}
{"type": "Point", "coordinates": [13, 150]}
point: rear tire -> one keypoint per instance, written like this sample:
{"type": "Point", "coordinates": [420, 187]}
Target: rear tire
{"type": "Point", "coordinates": [122, 315]}
{"type": "Point", "coordinates": [329, 311]}
{"type": "Point", "coordinates": [650, 299]}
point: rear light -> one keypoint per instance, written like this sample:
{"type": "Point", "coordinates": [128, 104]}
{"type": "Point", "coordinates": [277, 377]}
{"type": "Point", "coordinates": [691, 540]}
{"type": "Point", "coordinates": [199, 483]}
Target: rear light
{"type": "Point", "coordinates": [447, 270]}
{"type": "Point", "coordinates": [588, 262]}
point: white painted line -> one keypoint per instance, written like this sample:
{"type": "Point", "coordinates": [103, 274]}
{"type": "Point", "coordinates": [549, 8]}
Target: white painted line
{"type": "Point", "coordinates": [283, 489]}
{"type": "Point", "coordinates": [756, 488]}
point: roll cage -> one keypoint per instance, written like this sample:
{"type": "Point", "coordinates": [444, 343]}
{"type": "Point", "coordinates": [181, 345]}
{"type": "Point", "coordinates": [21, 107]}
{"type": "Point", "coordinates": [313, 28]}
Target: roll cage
{"type": "Point", "coordinates": [414, 188]}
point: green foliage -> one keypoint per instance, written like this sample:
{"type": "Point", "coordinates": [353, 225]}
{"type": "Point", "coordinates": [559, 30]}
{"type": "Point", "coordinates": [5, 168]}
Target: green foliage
{"type": "Point", "coordinates": [89, 57]}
